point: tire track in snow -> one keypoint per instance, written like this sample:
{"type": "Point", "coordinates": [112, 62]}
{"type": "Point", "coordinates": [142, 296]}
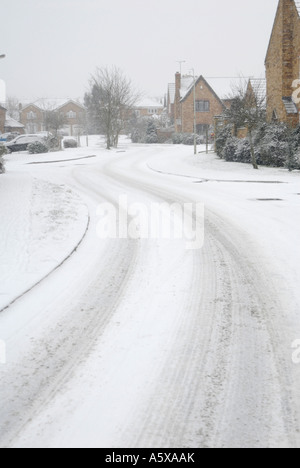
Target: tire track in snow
{"type": "Point", "coordinates": [244, 343]}
{"type": "Point", "coordinates": [36, 380]}
{"type": "Point", "coordinates": [223, 381]}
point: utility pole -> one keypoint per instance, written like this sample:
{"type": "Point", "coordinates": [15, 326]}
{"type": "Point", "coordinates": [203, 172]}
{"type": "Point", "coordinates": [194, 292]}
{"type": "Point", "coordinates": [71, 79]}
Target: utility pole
{"type": "Point", "coordinates": [195, 121]}
{"type": "Point", "coordinates": [180, 64]}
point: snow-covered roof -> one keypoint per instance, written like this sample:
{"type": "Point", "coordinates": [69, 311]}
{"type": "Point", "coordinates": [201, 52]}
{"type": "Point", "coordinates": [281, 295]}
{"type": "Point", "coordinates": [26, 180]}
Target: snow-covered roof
{"type": "Point", "coordinates": [172, 92]}
{"type": "Point", "coordinates": [148, 103]}
{"type": "Point", "coordinates": [186, 84]}
{"type": "Point", "coordinates": [10, 122]}
{"type": "Point", "coordinates": [51, 104]}
{"type": "Point", "coordinates": [259, 86]}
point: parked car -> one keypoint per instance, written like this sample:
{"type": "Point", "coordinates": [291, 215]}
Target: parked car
{"type": "Point", "coordinates": [21, 142]}
{"type": "Point", "coordinates": [8, 136]}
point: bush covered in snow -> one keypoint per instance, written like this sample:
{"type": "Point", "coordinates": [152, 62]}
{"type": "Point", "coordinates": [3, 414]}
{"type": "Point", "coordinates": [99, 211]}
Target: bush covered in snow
{"type": "Point", "coordinates": [243, 151]}
{"type": "Point", "coordinates": [272, 143]}
{"type": "Point", "coordinates": [177, 138]}
{"type": "Point", "coordinates": [2, 166]}
{"type": "Point", "coordinates": [38, 147]}
{"type": "Point", "coordinates": [3, 151]}
{"type": "Point", "coordinates": [136, 136]}
{"type": "Point", "coordinates": [185, 139]}
{"type": "Point", "coordinates": [230, 149]}
{"type": "Point", "coordinates": [70, 143]}
{"type": "Point", "coordinates": [221, 138]}
{"type": "Point", "coordinates": [151, 132]}
{"type": "Point", "coordinates": [275, 144]}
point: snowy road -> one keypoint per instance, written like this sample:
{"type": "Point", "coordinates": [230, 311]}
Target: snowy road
{"type": "Point", "coordinates": [143, 343]}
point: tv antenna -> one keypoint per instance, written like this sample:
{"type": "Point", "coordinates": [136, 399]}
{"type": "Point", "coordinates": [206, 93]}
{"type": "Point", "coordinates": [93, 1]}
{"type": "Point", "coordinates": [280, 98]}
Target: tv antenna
{"type": "Point", "coordinates": [180, 64]}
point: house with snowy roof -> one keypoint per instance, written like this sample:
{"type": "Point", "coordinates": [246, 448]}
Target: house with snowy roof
{"type": "Point", "coordinates": [149, 107]}
{"type": "Point", "coordinates": [13, 126]}
{"type": "Point", "coordinates": [32, 115]}
{"type": "Point", "coordinates": [207, 104]}
{"type": "Point", "coordinates": [283, 64]}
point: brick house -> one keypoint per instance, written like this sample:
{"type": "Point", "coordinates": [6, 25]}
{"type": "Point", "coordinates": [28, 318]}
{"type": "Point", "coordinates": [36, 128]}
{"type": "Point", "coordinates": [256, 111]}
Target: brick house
{"type": "Point", "coordinates": [208, 105]}
{"type": "Point", "coordinates": [75, 117]}
{"type": "Point", "coordinates": [283, 64]}
{"type": "Point", "coordinates": [12, 125]}
{"type": "Point", "coordinates": [148, 107]}
{"type": "Point", "coordinates": [32, 116]}
{"type": "Point", "coordinates": [2, 119]}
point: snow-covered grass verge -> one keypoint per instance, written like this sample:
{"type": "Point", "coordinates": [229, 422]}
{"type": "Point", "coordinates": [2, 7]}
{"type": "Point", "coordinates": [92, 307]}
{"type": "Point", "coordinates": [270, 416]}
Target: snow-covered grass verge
{"type": "Point", "coordinates": [41, 224]}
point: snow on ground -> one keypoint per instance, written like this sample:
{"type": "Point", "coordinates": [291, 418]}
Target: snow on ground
{"type": "Point", "coordinates": [141, 343]}
{"type": "Point", "coordinates": [41, 224]}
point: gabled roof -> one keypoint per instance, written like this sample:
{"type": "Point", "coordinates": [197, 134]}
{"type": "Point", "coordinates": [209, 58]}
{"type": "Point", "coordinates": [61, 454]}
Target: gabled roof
{"type": "Point", "coordinates": [189, 90]}
{"type": "Point", "coordinates": [297, 5]}
{"type": "Point", "coordinates": [51, 104]}
{"type": "Point", "coordinates": [259, 86]}
{"type": "Point", "coordinates": [149, 102]}
{"type": "Point", "coordinates": [31, 105]}
{"type": "Point", "coordinates": [10, 122]}
{"type": "Point", "coordinates": [172, 92]}
{"type": "Point", "coordinates": [70, 101]}
{"type": "Point", "coordinates": [187, 83]}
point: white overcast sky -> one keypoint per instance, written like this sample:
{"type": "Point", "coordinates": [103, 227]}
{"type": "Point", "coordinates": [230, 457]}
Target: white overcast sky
{"type": "Point", "coordinates": [53, 46]}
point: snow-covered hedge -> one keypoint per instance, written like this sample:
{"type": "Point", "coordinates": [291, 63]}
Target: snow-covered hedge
{"type": "Point", "coordinates": [272, 143]}
{"type": "Point", "coordinates": [38, 147]}
{"type": "Point", "coordinates": [222, 136]}
{"type": "Point", "coordinates": [185, 139]}
{"type": "Point", "coordinates": [2, 166]}
{"type": "Point", "coordinates": [275, 145]}
{"type": "Point", "coordinates": [151, 132]}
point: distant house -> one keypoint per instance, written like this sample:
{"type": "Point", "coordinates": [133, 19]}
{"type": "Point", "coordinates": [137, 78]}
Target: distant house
{"type": "Point", "coordinates": [283, 64]}
{"type": "Point", "coordinates": [148, 107]}
{"type": "Point", "coordinates": [2, 119]}
{"type": "Point", "coordinates": [12, 125]}
{"type": "Point", "coordinates": [75, 116]}
{"type": "Point", "coordinates": [32, 115]}
{"type": "Point", "coordinates": [207, 102]}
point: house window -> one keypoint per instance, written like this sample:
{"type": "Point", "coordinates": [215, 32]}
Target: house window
{"type": "Point", "coordinates": [202, 106]}
{"type": "Point", "coordinates": [31, 115]}
{"type": "Point", "coordinates": [71, 115]}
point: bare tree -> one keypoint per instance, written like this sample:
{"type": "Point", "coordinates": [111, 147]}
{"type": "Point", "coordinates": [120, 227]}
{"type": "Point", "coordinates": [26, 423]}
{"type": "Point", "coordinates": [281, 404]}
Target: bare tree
{"type": "Point", "coordinates": [110, 102]}
{"type": "Point", "coordinates": [13, 107]}
{"type": "Point", "coordinates": [248, 109]}
{"type": "Point", "coordinates": [54, 121]}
